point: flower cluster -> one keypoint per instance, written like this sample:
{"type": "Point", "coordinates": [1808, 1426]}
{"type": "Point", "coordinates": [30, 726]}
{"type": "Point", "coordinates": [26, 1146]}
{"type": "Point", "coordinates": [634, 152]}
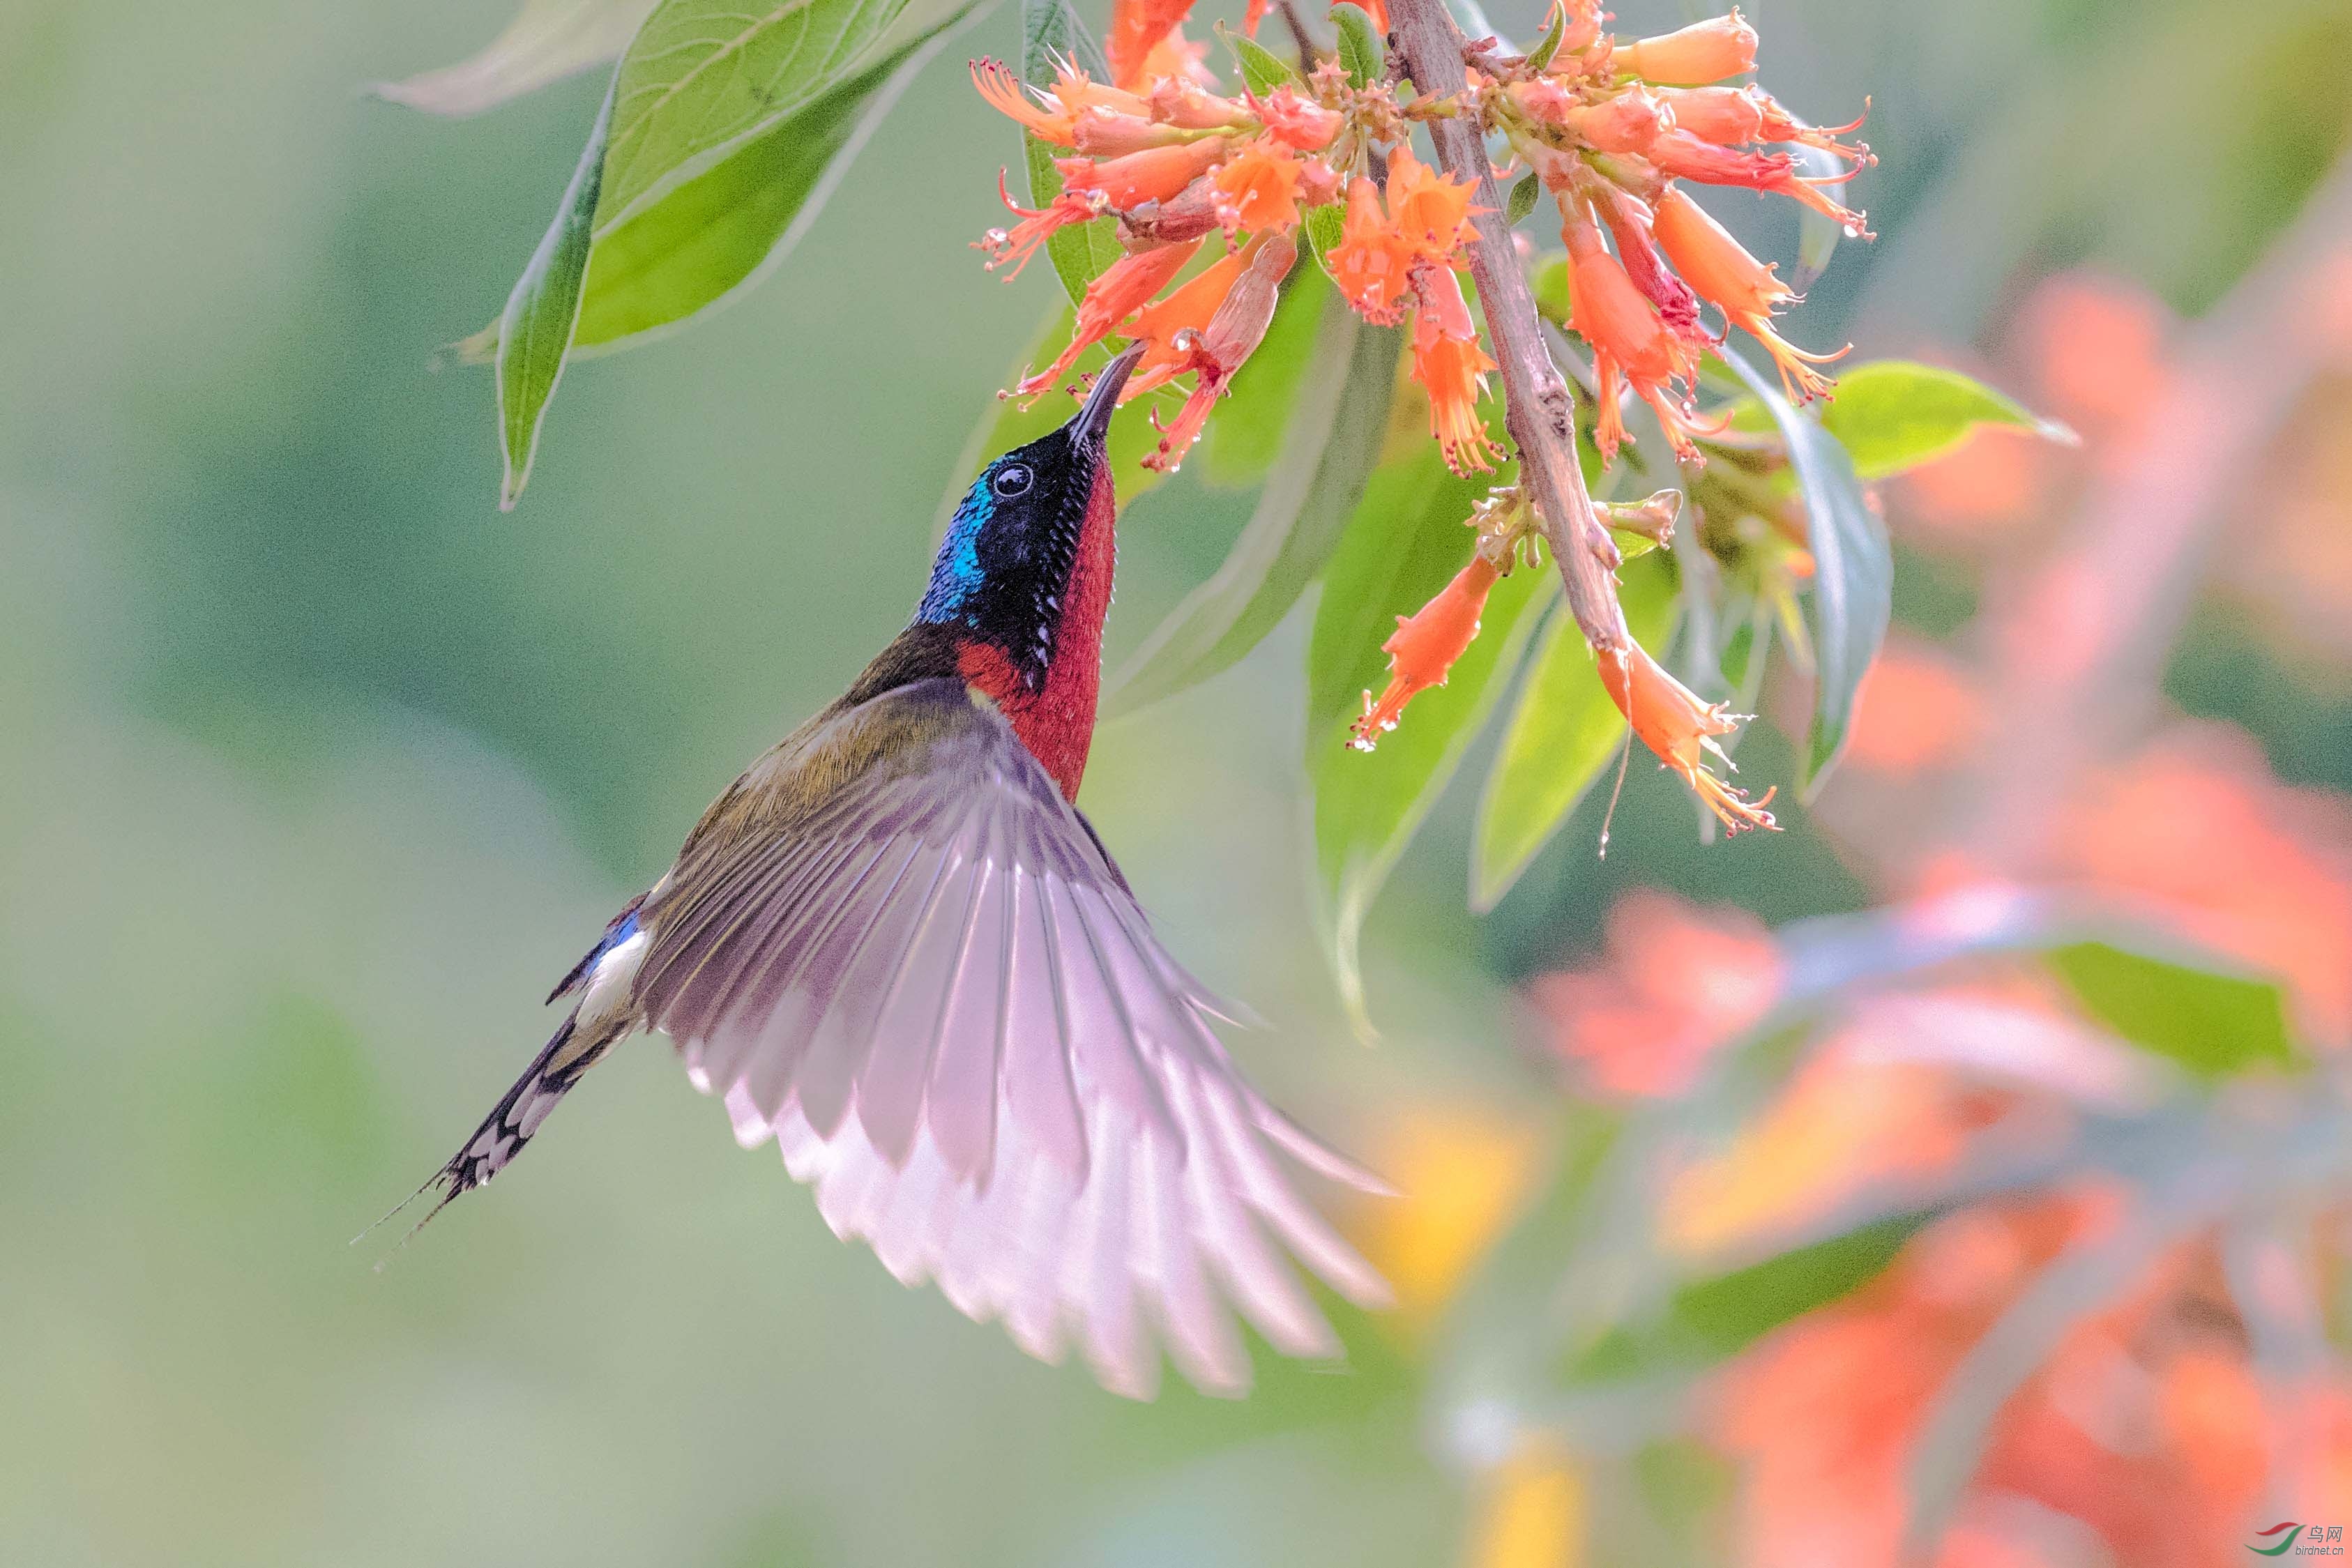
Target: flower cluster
{"type": "Point", "coordinates": [1209, 194]}
{"type": "Point", "coordinates": [1614, 129]}
{"type": "Point", "coordinates": [1185, 169]}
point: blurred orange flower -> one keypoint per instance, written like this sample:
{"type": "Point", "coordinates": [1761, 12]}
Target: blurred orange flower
{"type": "Point", "coordinates": [2146, 1427]}
{"type": "Point", "coordinates": [2195, 829]}
{"type": "Point", "coordinates": [1674, 981]}
{"type": "Point", "coordinates": [1917, 711]}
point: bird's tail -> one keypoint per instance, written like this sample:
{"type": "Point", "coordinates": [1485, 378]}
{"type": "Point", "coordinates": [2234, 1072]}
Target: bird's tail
{"type": "Point", "coordinates": [510, 1124]}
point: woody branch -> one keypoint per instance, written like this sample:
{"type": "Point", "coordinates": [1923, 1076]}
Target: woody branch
{"type": "Point", "coordinates": [1537, 410]}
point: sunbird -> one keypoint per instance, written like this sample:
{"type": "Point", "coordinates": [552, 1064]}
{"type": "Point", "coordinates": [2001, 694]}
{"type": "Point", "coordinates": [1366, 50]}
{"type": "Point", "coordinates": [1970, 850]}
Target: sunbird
{"type": "Point", "coordinates": [896, 946]}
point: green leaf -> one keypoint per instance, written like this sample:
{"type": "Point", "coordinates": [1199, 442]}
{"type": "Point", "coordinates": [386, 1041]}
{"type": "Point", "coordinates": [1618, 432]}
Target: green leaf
{"type": "Point", "coordinates": [1853, 591]}
{"type": "Point", "coordinates": [719, 139]}
{"type": "Point", "coordinates": [703, 77]}
{"type": "Point", "coordinates": [1731, 1312]}
{"type": "Point", "coordinates": [706, 240]}
{"type": "Point", "coordinates": [1361, 54]}
{"type": "Point", "coordinates": [1051, 33]}
{"type": "Point", "coordinates": [1817, 233]}
{"type": "Point", "coordinates": [1261, 68]}
{"type": "Point", "coordinates": [535, 329]}
{"type": "Point", "coordinates": [1548, 46]}
{"type": "Point", "coordinates": [1561, 734]}
{"type": "Point", "coordinates": [1894, 414]}
{"type": "Point", "coordinates": [1710, 1320]}
{"type": "Point", "coordinates": [1523, 198]}
{"type": "Point", "coordinates": [547, 41]}
{"type": "Point", "coordinates": [2211, 1021]}
{"type": "Point", "coordinates": [1549, 286]}
{"type": "Point", "coordinates": [1323, 226]}
{"type": "Point", "coordinates": [1332, 442]}
{"type": "Point", "coordinates": [1249, 425]}
{"type": "Point", "coordinates": [1405, 541]}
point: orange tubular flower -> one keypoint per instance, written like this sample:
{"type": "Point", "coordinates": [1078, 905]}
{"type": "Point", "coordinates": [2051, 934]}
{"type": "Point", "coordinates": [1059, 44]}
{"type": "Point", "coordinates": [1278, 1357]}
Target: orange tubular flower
{"type": "Point", "coordinates": [1073, 93]}
{"type": "Point", "coordinates": [1225, 344]}
{"type": "Point", "coordinates": [1019, 243]}
{"type": "Point", "coordinates": [1123, 289]}
{"type": "Point", "coordinates": [1173, 59]}
{"type": "Point", "coordinates": [1681, 729]}
{"type": "Point", "coordinates": [1295, 120]}
{"type": "Point", "coordinates": [1430, 212]}
{"type": "Point", "coordinates": [1721, 270]}
{"type": "Point", "coordinates": [1781, 126]}
{"type": "Point", "coordinates": [1726, 116]}
{"type": "Point", "coordinates": [1627, 122]}
{"type": "Point", "coordinates": [1154, 175]}
{"type": "Point", "coordinates": [1630, 345]}
{"type": "Point", "coordinates": [1583, 28]}
{"type": "Point", "coordinates": [1681, 155]}
{"type": "Point", "coordinates": [1448, 361]}
{"type": "Point", "coordinates": [1106, 133]}
{"type": "Point", "coordinates": [1423, 648]}
{"type": "Point", "coordinates": [1003, 92]}
{"type": "Point", "coordinates": [1170, 326]}
{"type": "Point", "coordinates": [1629, 221]}
{"type": "Point", "coordinates": [1371, 262]}
{"type": "Point", "coordinates": [1137, 27]}
{"type": "Point", "coordinates": [1257, 188]}
{"type": "Point", "coordinates": [1182, 101]}
{"type": "Point", "coordinates": [1701, 53]}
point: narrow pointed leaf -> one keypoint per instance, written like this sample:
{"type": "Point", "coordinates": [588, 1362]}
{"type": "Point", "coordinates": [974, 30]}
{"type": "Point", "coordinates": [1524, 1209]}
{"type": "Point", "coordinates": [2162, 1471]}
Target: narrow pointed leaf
{"type": "Point", "coordinates": [1817, 233]}
{"type": "Point", "coordinates": [719, 139]}
{"type": "Point", "coordinates": [1051, 33]}
{"type": "Point", "coordinates": [1368, 805]}
{"type": "Point", "coordinates": [2214, 1022]}
{"type": "Point", "coordinates": [1562, 734]}
{"type": "Point", "coordinates": [1522, 201]}
{"type": "Point", "coordinates": [707, 240]}
{"type": "Point", "coordinates": [703, 77]}
{"type": "Point", "coordinates": [1332, 439]}
{"type": "Point", "coordinates": [1361, 54]}
{"type": "Point", "coordinates": [535, 331]}
{"type": "Point", "coordinates": [1406, 539]}
{"type": "Point", "coordinates": [547, 41]}
{"type": "Point", "coordinates": [1539, 57]}
{"type": "Point", "coordinates": [1261, 68]}
{"type": "Point", "coordinates": [1894, 414]}
{"type": "Point", "coordinates": [1323, 226]}
{"type": "Point", "coordinates": [1853, 591]}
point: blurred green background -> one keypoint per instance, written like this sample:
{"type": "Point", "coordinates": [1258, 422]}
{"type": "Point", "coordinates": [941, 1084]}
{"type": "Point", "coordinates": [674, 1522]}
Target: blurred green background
{"type": "Point", "coordinates": [318, 771]}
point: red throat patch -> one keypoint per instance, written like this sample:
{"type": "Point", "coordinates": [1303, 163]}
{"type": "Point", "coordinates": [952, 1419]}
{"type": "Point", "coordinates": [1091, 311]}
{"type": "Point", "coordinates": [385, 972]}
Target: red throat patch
{"type": "Point", "coordinates": [1056, 722]}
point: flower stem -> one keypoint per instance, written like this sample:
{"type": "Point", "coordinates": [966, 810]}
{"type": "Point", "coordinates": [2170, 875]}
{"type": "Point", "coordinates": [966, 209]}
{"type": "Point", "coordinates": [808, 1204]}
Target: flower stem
{"type": "Point", "coordinates": [1538, 411]}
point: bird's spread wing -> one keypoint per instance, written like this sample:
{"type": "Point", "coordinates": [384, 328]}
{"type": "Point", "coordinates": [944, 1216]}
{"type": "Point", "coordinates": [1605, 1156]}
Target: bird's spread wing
{"type": "Point", "coordinates": [900, 953]}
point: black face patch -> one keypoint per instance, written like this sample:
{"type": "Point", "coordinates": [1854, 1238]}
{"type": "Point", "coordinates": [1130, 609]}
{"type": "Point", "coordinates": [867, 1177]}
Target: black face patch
{"type": "Point", "coordinates": [1006, 561]}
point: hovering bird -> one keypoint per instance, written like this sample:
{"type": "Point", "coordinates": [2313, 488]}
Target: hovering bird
{"type": "Point", "coordinates": [896, 946]}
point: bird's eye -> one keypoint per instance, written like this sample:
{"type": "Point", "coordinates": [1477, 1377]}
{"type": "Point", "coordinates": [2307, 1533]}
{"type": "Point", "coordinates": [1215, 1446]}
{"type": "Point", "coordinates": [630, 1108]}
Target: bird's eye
{"type": "Point", "coordinates": [1012, 479]}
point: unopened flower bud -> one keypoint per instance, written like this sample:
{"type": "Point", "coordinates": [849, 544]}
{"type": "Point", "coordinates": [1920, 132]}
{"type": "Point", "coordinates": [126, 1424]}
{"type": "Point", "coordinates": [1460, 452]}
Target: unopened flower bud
{"type": "Point", "coordinates": [1701, 53]}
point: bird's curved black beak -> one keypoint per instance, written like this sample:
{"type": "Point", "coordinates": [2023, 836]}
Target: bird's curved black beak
{"type": "Point", "coordinates": [1092, 422]}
